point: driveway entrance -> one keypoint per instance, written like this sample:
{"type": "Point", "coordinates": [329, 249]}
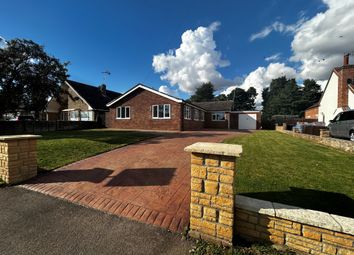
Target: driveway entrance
{"type": "Point", "coordinates": [148, 181]}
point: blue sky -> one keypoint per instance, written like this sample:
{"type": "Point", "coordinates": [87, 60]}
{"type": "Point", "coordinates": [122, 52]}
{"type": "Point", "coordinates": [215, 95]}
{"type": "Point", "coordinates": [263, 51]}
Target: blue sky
{"type": "Point", "coordinates": [123, 36]}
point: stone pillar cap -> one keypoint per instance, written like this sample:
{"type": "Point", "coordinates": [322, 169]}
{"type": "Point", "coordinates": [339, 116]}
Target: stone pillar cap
{"type": "Point", "coordinates": [18, 137]}
{"type": "Point", "coordinates": [215, 149]}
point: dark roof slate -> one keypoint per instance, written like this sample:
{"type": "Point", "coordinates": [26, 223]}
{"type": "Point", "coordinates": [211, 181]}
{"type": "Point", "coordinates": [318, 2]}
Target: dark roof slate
{"type": "Point", "coordinates": [215, 105]}
{"type": "Point", "coordinates": [93, 95]}
{"type": "Point", "coordinates": [313, 106]}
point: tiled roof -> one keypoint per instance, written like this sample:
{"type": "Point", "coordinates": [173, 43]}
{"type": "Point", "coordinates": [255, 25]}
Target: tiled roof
{"type": "Point", "coordinates": [93, 95]}
{"type": "Point", "coordinates": [215, 105]}
{"type": "Point", "coordinates": [314, 106]}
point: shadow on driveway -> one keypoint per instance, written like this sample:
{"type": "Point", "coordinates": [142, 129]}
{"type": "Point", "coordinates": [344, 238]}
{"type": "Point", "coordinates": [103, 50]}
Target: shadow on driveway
{"type": "Point", "coordinates": [143, 177]}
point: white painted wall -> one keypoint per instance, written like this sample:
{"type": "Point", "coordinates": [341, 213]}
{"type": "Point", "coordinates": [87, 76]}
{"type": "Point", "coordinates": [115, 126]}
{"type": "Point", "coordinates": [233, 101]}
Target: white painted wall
{"type": "Point", "coordinates": [351, 99]}
{"type": "Point", "coordinates": [328, 105]}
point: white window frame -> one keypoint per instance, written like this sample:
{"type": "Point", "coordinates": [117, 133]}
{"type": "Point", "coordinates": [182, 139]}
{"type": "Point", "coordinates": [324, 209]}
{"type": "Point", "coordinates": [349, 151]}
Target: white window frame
{"type": "Point", "coordinates": [187, 112]}
{"type": "Point", "coordinates": [164, 111]}
{"type": "Point", "coordinates": [195, 114]}
{"type": "Point", "coordinates": [216, 114]}
{"type": "Point", "coordinates": [119, 109]}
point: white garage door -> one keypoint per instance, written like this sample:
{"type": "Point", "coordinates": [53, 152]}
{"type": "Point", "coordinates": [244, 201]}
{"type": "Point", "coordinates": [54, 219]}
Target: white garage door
{"type": "Point", "coordinates": [247, 121]}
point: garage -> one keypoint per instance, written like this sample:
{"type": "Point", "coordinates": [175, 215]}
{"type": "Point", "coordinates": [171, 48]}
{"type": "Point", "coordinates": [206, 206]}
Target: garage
{"type": "Point", "coordinates": [247, 121]}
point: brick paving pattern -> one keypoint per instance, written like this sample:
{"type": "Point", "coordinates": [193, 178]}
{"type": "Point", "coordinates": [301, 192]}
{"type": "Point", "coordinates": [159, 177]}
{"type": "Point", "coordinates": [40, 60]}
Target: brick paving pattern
{"type": "Point", "coordinates": [147, 182]}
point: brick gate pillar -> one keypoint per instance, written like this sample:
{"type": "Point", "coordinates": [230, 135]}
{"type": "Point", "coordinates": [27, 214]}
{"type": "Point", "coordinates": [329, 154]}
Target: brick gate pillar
{"type": "Point", "coordinates": [18, 158]}
{"type": "Point", "coordinates": [213, 168]}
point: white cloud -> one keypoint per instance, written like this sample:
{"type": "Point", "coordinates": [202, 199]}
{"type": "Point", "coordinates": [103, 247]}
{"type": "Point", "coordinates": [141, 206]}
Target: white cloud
{"type": "Point", "coordinates": [228, 90]}
{"type": "Point", "coordinates": [262, 77]}
{"type": "Point", "coordinates": [167, 90]}
{"type": "Point", "coordinates": [322, 83]}
{"type": "Point", "coordinates": [274, 57]}
{"type": "Point", "coordinates": [319, 43]}
{"type": "Point", "coordinates": [277, 27]}
{"type": "Point", "coordinates": [194, 62]}
{"type": "Point", "coordinates": [2, 42]}
{"type": "Point", "coordinates": [262, 34]}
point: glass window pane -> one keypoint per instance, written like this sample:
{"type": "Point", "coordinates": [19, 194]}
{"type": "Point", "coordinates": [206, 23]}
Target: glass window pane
{"type": "Point", "coordinates": [154, 111]}
{"type": "Point", "coordinates": [351, 117]}
{"type": "Point", "coordinates": [160, 111]}
{"type": "Point", "coordinates": [167, 110]}
{"type": "Point", "coordinates": [127, 112]}
{"type": "Point", "coordinates": [123, 112]}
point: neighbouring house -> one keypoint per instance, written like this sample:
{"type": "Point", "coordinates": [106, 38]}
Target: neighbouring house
{"type": "Point", "coordinates": [143, 107]}
{"type": "Point", "coordinates": [311, 113]}
{"type": "Point", "coordinates": [221, 114]}
{"type": "Point", "coordinates": [338, 95]}
{"type": "Point", "coordinates": [80, 102]}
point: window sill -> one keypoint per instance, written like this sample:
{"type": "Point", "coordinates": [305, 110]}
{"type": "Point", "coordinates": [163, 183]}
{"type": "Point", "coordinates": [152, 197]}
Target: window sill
{"type": "Point", "coordinates": [161, 118]}
{"type": "Point", "coordinates": [122, 118]}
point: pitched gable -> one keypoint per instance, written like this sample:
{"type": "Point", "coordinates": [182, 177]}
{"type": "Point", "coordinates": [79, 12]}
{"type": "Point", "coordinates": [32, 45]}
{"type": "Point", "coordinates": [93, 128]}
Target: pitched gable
{"type": "Point", "coordinates": [92, 95]}
{"type": "Point", "coordinates": [144, 87]}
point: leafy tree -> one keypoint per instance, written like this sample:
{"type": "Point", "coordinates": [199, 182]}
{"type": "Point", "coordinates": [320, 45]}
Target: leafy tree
{"type": "Point", "coordinates": [204, 93]}
{"type": "Point", "coordinates": [221, 97]}
{"type": "Point", "coordinates": [311, 93]}
{"type": "Point", "coordinates": [280, 98]}
{"type": "Point", "coordinates": [28, 76]}
{"type": "Point", "coordinates": [285, 97]}
{"type": "Point", "coordinates": [243, 100]}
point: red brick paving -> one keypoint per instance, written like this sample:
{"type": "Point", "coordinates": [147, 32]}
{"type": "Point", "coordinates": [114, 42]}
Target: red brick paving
{"type": "Point", "coordinates": [147, 181]}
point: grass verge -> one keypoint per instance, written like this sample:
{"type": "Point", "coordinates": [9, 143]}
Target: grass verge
{"type": "Point", "coordinates": [285, 169]}
{"type": "Point", "coordinates": [56, 149]}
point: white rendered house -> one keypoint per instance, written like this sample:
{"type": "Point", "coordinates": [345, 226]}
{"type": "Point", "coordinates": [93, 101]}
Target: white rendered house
{"type": "Point", "coordinates": [338, 95]}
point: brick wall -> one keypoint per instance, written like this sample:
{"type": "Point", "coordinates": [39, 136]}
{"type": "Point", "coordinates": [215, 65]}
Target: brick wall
{"type": "Point", "coordinates": [344, 73]}
{"type": "Point", "coordinates": [18, 158]}
{"type": "Point", "coordinates": [140, 102]}
{"type": "Point", "coordinates": [214, 124]}
{"type": "Point", "coordinates": [193, 124]}
{"type": "Point", "coordinates": [312, 113]}
{"type": "Point", "coordinates": [334, 238]}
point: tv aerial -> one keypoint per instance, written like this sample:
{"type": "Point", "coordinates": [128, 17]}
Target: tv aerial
{"type": "Point", "coordinates": [105, 75]}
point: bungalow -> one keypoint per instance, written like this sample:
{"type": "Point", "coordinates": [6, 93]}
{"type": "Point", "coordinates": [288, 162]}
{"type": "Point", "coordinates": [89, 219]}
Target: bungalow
{"type": "Point", "coordinates": [143, 107]}
{"type": "Point", "coordinates": [338, 95]}
{"type": "Point", "coordinates": [80, 102]}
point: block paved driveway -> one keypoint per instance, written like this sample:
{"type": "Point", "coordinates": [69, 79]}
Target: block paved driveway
{"type": "Point", "coordinates": [148, 181]}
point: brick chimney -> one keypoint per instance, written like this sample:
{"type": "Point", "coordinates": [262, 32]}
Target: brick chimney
{"type": "Point", "coordinates": [346, 59]}
{"type": "Point", "coordinates": [345, 72]}
{"type": "Point", "coordinates": [103, 89]}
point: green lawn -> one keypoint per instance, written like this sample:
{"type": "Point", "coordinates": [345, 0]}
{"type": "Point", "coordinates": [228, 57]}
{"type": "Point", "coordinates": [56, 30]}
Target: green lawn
{"type": "Point", "coordinates": [285, 169]}
{"type": "Point", "coordinates": [56, 149]}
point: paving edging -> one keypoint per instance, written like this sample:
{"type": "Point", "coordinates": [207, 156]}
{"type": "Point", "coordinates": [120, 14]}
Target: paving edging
{"type": "Point", "coordinates": [301, 229]}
